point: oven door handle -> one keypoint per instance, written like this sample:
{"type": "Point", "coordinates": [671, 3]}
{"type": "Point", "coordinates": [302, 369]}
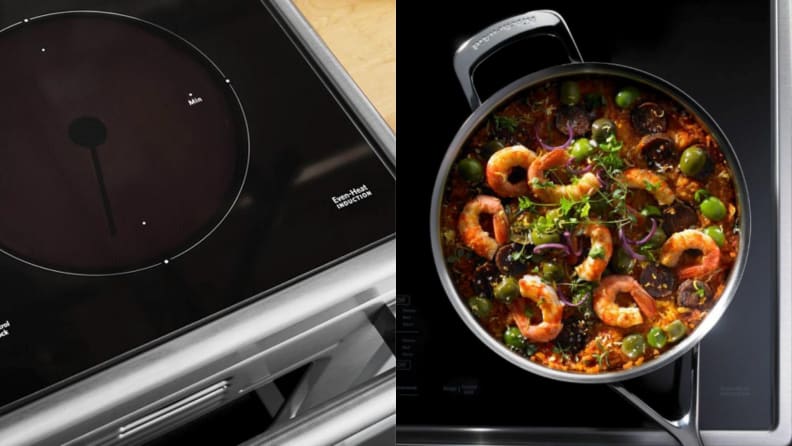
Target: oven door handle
{"type": "Point", "coordinates": [354, 417]}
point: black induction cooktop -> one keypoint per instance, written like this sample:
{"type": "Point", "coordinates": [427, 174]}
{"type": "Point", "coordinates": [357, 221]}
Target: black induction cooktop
{"type": "Point", "coordinates": [720, 54]}
{"type": "Point", "coordinates": [162, 164]}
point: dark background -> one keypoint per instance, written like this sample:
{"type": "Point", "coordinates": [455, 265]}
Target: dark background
{"type": "Point", "coordinates": [716, 51]}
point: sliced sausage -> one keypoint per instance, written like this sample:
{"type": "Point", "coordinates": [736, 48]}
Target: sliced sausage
{"type": "Point", "coordinates": [575, 335]}
{"type": "Point", "coordinates": [678, 217]}
{"type": "Point", "coordinates": [649, 118]}
{"type": "Point", "coordinates": [658, 280]}
{"type": "Point", "coordinates": [693, 293]}
{"type": "Point", "coordinates": [506, 264]}
{"type": "Point", "coordinates": [485, 275]}
{"type": "Point", "coordinates": [576, 116]}
{"type": "Point", "coordinates": [658, 149]}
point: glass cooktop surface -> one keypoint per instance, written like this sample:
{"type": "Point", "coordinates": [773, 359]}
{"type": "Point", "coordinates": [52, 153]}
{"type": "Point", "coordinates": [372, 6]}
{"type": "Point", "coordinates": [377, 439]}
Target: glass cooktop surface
{"type": "Point", "coordinates": [163, 162]}
{"type": "Point", "coordinates": [719, 53]}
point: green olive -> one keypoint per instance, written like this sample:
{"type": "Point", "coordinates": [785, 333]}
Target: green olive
{"type": "Point", "coordinates": [570, 93]}
{"type": "Point", "coordinates": [675, 330]}
{"type": "Point", "coordinates": [580, 149]}
{"type": "Point", "coordinates": [633, 346]}
{"type": "Point", "coordinates": [540, 238]}
{"type": "Point", "coordinates": [626, 97]}
{"type": "Point", "coordinates": [491, 147]}
{"type": "Point", "coordinates": [651, 211]}
{"type": "Point", "coordinates": [713, 208]}
{"type": "Point", "coordinates": [507, 289]}
{"type": "Point", "coordinates": [656, 338]}
{"type": "Point", "coordinates": [480, 306]}
{"type": "Point", "coordinates": [602, 128]}
{"type": "Point", "coordinates": [692, 161]}
{"type": "Point", "coordinates": [513, 338]}
{"type": "Point", "coordinates": [552, 272]}
{"type": "Point", "coordinates": [622, 262]}
{"type": "Point", "coordinates": [656, 240]}
{"type": "Point", "coordinates": [471, 170]}
{"type": "Point", "coordinates": [716, 233]}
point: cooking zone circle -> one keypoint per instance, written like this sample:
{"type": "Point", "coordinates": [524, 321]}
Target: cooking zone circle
{"type": "Point", "coordinates": [114, 169]}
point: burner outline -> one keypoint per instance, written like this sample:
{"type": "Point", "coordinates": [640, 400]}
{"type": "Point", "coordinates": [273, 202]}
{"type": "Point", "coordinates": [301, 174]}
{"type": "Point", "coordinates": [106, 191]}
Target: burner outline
{"type": "Point", "coordinates": [226, 81]}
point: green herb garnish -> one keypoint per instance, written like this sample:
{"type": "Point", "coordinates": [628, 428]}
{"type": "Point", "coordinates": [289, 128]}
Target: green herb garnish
{"type": "Point", "coordinates": [525, 204]}
{"type": "Point", "coordinates": [537, 183]}
{"type": "Point", "coordinates": [699, 289]}
{"type": "Point", "coordinates": [561, 351]}
{"type": "Point", "coordinates": [506, 123]}
{"type": "Point", "coordinates": [530, 349]}
{"type": "Point", "coordinates": [611, 144]}
{"type": "Point", "coordinates": [566, 205]}
{"type": "Point", "coordinates": [650, 186]}
{"type": "Point", "coordinates": [602, 356]}
{"type": "Point", "coordinates": [597, 252]}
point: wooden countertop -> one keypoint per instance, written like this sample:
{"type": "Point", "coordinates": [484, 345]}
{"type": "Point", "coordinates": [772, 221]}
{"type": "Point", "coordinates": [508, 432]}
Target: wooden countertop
{"type": "Point", "coordinates": [362, 35]}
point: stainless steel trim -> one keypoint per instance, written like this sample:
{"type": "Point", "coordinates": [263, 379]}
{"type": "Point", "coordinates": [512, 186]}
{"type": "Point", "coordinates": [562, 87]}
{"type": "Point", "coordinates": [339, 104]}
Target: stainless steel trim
{"type": "Point", "coordinates": [200, 358]}
{"type": "Point", "coordinates": [339, 420]}
{"type": "Point", "coordinates": [685, 428]}
{"type": "Point", "coordinates": [317, 51]}
{"type": "Point", "coordinates": [175, 409]}
{"type": "Point", "coordinates": [382, 433]}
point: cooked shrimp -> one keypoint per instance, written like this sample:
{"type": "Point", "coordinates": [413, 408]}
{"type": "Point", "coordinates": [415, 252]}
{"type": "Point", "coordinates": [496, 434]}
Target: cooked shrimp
{"type": "Point", "coordinates": [599, 255]}
{"type": "Point", "coordinates": [532, 287]}
{"type": "Point", "coordinates": [680, 242]}
{"type": "Point", "coordinates": [651, 182]}
{"type": "Point", "coordinates": [611, 313]}
{"type": "Point", "coordinates": [471, 232]}
{"type": "Point", "coordinates": [500, 166]}
{"type": "Point", "coordinates": [586, 185]}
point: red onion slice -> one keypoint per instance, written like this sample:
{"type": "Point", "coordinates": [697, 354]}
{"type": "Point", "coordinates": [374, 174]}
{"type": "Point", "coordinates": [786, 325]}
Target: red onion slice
{"type": "Point", "coordinates": [568, 302]}
{"type": "Point", "coordinates": [562, 146]}
{"type": "Point", "coordinates": [601, 180]}
{"type": "Point", "coordinates": [627, 248]}
{"type": "Point", "coordinates": [568, 238]}
{"type": "Point", "coordinates": [649, 235]}
{"type": "Point", "coordinates": [585, 169]}
{"type": "Point", "coordinates": [539, 248]}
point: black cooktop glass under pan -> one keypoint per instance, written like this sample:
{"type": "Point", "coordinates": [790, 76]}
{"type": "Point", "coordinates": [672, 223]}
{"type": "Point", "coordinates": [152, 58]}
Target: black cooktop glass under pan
{"type": "Point", "coordinates": [162, 163]}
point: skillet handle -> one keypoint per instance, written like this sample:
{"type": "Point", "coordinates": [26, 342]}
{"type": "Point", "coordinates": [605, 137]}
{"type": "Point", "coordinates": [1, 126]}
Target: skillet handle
{"type": "Point", "coordinates": [486, 42]}
{"type": "Point", "coordinates": [685, 429]}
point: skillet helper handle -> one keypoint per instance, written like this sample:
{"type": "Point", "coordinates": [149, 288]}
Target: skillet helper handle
{"type": "Point", "coordinates": [685, 429]}
{"type": "Point", "coordinates": [502, 34]}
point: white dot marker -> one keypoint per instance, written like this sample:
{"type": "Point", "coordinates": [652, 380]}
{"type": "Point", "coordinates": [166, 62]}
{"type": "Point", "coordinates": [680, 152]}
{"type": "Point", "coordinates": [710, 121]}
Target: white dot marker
{"type": "Point", "coordinates": [228, 81]}
{"type": "Point", "coordinates": [189, 94]}
{"type": "Point", "coordinates": [166, 261]}
{"type": "Point", "coordinates": [43, 50]}
{"type": "Point", "coordinates": [26, 20]}
{"type": "Point", "coordinates": [143, 223]}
